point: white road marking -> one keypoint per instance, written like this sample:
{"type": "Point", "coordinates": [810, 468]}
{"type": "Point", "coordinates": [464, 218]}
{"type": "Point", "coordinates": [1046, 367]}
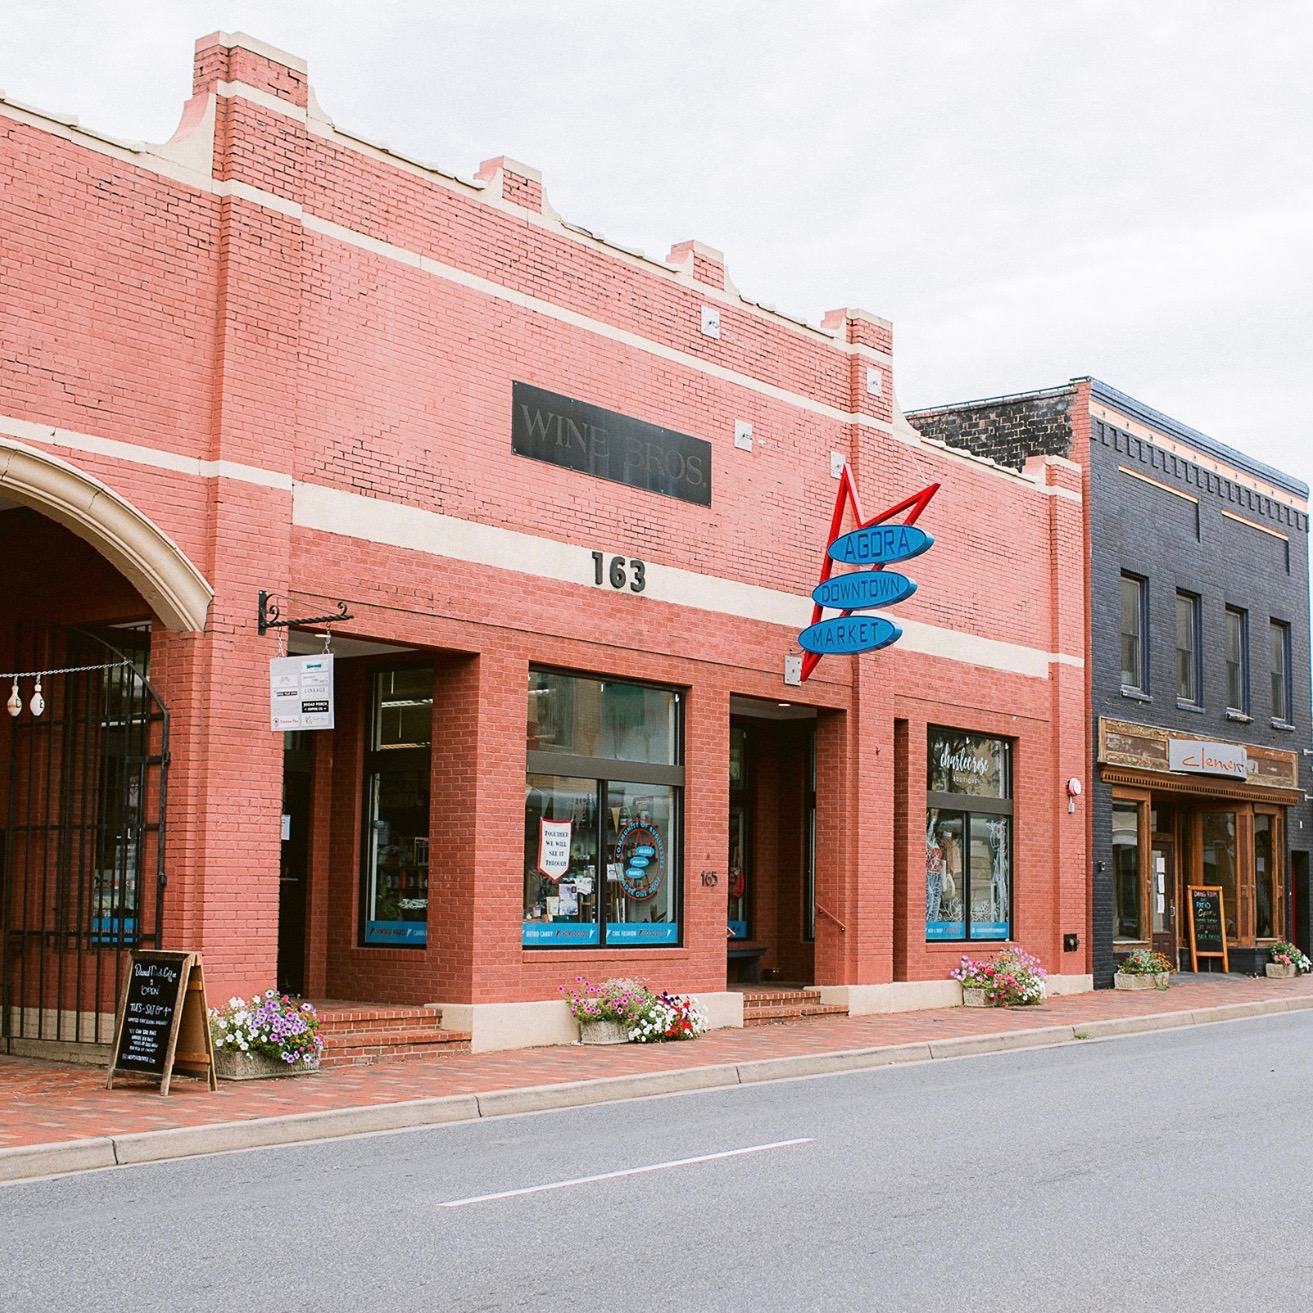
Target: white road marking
{"type": "Point", "coordinates": [628, 1171]}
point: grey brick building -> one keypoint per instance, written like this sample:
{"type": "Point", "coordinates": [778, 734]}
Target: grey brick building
{"type": "Point", "coordinates": [1197, 666]}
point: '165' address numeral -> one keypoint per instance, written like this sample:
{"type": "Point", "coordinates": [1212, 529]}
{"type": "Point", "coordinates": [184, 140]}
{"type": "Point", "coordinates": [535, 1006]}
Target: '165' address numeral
{"type": "Point", "coordinates": [617, 572]}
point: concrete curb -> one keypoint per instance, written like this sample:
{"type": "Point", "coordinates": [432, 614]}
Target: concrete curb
{"type": "Point", "coordinates": [292, 1128]}
{"type": "Point", "coordinates": [28, 1161]}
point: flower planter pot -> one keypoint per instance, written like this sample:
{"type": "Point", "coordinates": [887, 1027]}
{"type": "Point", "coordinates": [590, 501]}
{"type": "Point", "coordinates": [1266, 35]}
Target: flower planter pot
{"type": "Point", "coordinates": [1156, 980]}
{"type": "Point", "coordinates": [975, 998]}
{"type": "Point", "coordinates": [1281, 970]}
{"type": "Point", "coordinates": [603, 1032]}
{"type": "Point", "coordinates": [233, 1064]}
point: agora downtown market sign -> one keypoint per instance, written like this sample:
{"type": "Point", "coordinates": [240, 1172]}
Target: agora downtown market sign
{"type": "Point", "coordinates": [876, 542]}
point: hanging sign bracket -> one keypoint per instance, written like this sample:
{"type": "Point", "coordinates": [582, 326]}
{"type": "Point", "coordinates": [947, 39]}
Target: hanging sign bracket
{"type": "Point", "coordinates": [270, 617]}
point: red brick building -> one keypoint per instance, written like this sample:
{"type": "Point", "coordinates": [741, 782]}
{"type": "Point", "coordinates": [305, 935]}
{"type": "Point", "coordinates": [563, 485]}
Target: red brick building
{"type": "Point", "coordinates": [575, 500]}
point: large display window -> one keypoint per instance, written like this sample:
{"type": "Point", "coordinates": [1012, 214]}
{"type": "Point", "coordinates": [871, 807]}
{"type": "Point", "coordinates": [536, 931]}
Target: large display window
{"type": "Point", "coordinates": [397, 787]}
{"type": "Point", "coordinates": [968, 836]}
{"type": "Point", "coordinates": [602, 813]}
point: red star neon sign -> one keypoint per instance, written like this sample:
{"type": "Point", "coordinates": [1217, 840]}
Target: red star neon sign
{"type": "Point", "coordinates": [911, 507]}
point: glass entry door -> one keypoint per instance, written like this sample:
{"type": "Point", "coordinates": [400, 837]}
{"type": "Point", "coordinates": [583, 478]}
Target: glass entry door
{"type": "Point", "coordinates": [1162, 896]}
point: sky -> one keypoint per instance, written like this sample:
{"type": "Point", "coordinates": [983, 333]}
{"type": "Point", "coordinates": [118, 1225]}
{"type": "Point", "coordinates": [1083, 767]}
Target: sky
{"type": "Point", "coordinates": [1030, 191]}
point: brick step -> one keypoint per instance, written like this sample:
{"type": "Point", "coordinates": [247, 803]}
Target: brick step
{"type": "Point", "coordinates": [353, 1026]}
{"type": "Point", "coordinates": [802, 1006]}
{"type": "Point", "coordinates": [790, 997]}
{"type": "Point", "coordinates": [358, 1048]}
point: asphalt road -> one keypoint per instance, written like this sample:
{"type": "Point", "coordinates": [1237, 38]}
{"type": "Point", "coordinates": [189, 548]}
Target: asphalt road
{"type": "Point", "coordinates": [1159, 1171]}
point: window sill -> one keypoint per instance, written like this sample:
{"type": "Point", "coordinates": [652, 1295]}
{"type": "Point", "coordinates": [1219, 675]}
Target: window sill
{"type": "Point", "coordinates": [1135, 694]}
{"type": "Point", "coordinates": [1282, 725]}
{"type": "Point", "coordinates": [1242, 717]}
{"type": "Point", "coordinates": [1184, 704]}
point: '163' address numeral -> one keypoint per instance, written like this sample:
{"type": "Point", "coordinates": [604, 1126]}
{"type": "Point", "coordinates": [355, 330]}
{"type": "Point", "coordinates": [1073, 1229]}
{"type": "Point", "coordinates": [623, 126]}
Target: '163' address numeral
{"type": "Point", "coordinates": [618, 572]}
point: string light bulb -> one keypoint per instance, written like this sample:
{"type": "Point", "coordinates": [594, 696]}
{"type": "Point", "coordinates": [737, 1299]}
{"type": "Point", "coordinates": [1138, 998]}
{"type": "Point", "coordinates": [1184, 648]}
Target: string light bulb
{"type": "Point", "coordinates": [38, 703]}
{"type": "Point", "coordinates": [15, 703]}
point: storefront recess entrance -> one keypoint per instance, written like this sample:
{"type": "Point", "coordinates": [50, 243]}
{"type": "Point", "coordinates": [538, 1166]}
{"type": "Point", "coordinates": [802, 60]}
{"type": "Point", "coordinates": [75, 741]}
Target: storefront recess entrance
{"type": "Point", "coordinates": [1165, 839]}
{"type": "Point", "coordinates": [771, 842]}
{"type": "Point", "coordinates": [83, 874]}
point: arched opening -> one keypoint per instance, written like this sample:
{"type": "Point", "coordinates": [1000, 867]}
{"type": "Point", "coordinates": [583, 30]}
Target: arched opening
{"type": "Point", "coordinates": [173, 588]}
{"type": "Point", "coordinates": [84, 580]}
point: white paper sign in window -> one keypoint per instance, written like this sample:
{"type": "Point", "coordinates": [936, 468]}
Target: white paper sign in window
{"type": "Point", "coordinates": [554, 848]}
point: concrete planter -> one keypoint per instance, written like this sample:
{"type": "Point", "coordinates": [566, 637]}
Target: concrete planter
{"type": "Point", "coordinates": [975, 998]}
{"type": "Point", "coordinates": [233, 1064]}
{"type": "Point", "coordinates": [602, 1032]}
{"type": "Point", "coordinates": [1281, 970]}
{"type": "Point", "coordinates": [1159, 980]}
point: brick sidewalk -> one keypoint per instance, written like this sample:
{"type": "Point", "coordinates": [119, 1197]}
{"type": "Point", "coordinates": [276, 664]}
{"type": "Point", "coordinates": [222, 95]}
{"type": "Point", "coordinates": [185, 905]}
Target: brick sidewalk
{"type": "Point", "coordinates": [45, 1103]}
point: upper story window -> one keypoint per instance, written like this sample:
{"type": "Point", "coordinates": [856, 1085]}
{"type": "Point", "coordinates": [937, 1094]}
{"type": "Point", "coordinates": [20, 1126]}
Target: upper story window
{"type": "Point", "coordinates": [1281, 671]}
{"type": "Point", "coordinates": [1135, 600]}
{"type": "Point", "coordinates": [1237, 660]}
{"type": "Point", "coordinates": [1187, 649]}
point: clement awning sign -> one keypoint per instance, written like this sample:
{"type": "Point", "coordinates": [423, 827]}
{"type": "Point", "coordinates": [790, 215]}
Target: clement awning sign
{"type": "Point", "coordinates": [1196, 757]}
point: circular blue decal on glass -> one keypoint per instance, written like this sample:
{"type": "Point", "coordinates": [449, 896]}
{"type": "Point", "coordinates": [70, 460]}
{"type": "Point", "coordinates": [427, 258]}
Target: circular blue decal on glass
{"type": "Point", "coordinates": [640, 857]}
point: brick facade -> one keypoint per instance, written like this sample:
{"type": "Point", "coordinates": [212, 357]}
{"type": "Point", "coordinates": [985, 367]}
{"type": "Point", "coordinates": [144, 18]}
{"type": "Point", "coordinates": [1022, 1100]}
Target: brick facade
{"type": "Point", "coordinates": [295, 353]}
{"type": "Point", "coordinates": [1182, 513]}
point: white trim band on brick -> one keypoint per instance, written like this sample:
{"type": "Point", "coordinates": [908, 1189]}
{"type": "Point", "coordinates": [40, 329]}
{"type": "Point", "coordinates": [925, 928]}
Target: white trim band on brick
{"type": "Point", "coordinates": [179, 158]}
{"type": "Point", "coordinates": [392, 524]}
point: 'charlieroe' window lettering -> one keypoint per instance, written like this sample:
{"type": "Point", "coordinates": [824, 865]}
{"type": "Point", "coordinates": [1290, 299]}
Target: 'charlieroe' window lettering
{"type": "Point", "coordinates": [608, 445]}
{"type": "Point", "coordinates": [968, 842]}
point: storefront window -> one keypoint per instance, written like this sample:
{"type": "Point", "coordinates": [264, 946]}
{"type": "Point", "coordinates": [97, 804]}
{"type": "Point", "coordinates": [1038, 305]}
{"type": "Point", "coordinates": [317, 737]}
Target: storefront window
{"type": "Point", "coordinates": [1267, 887]}
{"type": "Point", "coordinates": [560, 860]}
{"type": "Point", "coordinates": [397, 784]}
{"type": "Point", "coordinates": [602, 813]}
{"type": "Point", "coordinates": [1127, 889]}
{"type": "Point", "coordinates": [809, 852]}
{"type": "Point", "coordinates": [582, 717]}
{"type": "Point", "coordinates": [641, 842]}
{"type": "Point", "coordinates": [968, 837]}
{"type": "Point", "coordinates": [1219, 864]}
{"type": "Point", "coordinates": [736, 915]}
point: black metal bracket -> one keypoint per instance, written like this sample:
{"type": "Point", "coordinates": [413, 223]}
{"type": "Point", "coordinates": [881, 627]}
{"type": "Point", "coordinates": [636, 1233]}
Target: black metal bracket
{"type": "Point", "coordinates": [271, 617]}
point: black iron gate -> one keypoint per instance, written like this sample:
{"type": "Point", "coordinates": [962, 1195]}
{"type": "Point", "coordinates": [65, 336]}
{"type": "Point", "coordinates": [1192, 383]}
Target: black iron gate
{"type": "Point", "coordinates": [83, 870]}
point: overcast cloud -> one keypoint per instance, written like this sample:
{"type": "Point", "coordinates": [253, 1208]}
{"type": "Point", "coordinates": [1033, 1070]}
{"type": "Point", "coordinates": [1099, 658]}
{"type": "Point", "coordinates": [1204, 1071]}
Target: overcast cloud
{"type": "Point", "coordinates": [1030, 191]}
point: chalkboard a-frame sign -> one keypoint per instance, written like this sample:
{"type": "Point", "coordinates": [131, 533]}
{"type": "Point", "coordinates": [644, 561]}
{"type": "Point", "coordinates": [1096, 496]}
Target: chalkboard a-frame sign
{"type": "Point", "coordinates": [162, 1024]}
{"type": "Point", "coordinates": [1207, 924]}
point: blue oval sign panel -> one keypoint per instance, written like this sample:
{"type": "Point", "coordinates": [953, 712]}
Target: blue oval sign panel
{"type": "Point", "coordinates": [851, 633]}
{"type": "Point", "coordinates": [880, 544]}
{"type": "Point", "coordinates": [863, 590]}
